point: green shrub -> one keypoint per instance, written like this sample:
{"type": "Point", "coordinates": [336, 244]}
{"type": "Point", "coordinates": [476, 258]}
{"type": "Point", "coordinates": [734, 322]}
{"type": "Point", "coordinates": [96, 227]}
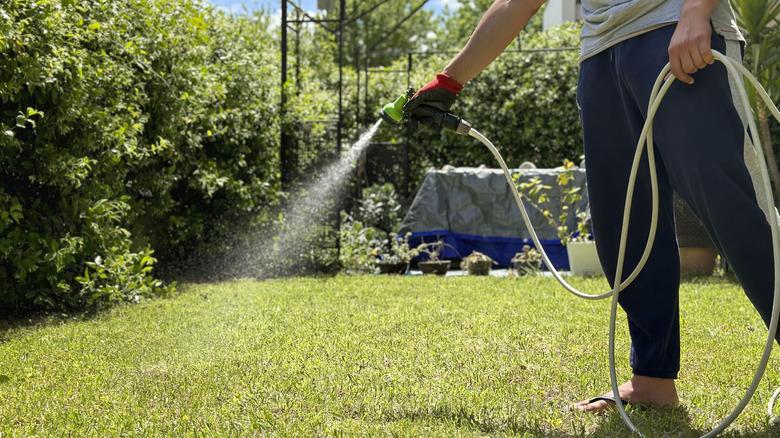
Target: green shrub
{"type": "Point", "coordinates": [360, 245]}
{"type": "Point", "coordinates": [127, 125]}
{"type": "Point", "coordinates": [371, 230]}
{"type": "Point", "coordinates": [220, 179]}
{"type": "Point", "coordinates": [379, 208]}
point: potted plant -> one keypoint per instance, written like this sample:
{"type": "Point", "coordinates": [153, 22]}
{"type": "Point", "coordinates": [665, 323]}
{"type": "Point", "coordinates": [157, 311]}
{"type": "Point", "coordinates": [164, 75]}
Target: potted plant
{"type": "Point", "coordinates": [580, 248]}
{"type": "Point", "coordinates": [583, 257]}
{"type": "Point", "coordinates": [397, 261]}
{"type": "Point", "coordinates": [434, 265]}
{"type": "Point", "coordinates": [527, 262]}
{"type": "Point", "coordinates": [477, 263]}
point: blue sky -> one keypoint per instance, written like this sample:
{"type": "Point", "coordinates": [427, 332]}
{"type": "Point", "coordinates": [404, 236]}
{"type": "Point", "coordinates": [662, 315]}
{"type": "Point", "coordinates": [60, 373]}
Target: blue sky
{"type": "Point", "coordinates": [238, 6]}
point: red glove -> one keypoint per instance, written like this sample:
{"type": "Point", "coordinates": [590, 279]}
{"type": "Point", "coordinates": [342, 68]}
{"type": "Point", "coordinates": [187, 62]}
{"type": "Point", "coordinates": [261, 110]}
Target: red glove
{"type": "Point", "coordinates": [442, 81]}
{"type": "Point", "coordinates": [440, 93]}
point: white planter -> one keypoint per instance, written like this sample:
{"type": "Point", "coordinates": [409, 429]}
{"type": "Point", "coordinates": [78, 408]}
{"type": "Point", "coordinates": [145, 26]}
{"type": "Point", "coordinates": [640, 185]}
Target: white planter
{"type": "Point", "coordinates": [583, 258]}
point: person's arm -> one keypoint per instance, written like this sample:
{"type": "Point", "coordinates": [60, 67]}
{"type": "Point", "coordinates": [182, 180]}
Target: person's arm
{"type": "Point", "coordinates": [691, 48]}
{"type": "Point", "coordinates": [497, 28]}
{"type": "Point", "coordinates": [501, 24]}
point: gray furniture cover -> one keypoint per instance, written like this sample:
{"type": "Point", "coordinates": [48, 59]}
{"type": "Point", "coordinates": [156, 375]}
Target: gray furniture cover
{"type": "Point", "coordinates": [472, 209]}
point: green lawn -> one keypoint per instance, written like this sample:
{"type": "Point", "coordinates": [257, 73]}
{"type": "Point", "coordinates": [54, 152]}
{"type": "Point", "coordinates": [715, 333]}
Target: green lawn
{"type": "Point", "coordinates": [367, 356]}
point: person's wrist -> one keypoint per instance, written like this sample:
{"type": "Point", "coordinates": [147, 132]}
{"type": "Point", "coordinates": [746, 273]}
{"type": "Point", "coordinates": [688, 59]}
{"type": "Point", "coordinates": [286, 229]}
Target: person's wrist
{"type": "Point", "coordinates": [698, 9]}
{"type": "Point", "coordinates": [454, 78]}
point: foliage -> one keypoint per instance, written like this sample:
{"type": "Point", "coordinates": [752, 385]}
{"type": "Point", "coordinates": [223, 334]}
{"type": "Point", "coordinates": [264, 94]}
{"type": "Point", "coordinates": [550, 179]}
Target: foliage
{"type": "Point", "coordinates": [360, 245]}
{"type": "Point", "coordinates": [556, 211]}
{"type": "Point", "coordinates": [123, 277]}
{"type": "Point", "coordinates": [127, 125]}
{"type": "Point", "coordinates": [434, 250]}
{"type": "Point", "coordinates": [382, 33]}
{"type": "Point", "coordinates": [584, 227]}
{"type": "Point", "coordinates": [460, 23]}
{"type": "Point", "coordinates": [373, 39]}
{"type": "Point", "coordinates": [528, 261]}
{"type": "Point", "coordinates": [379, 207]}
{"type": "Point", "coordinates": [371, 229]}
{"type": "Point", "coordinates": [477, 263]}
{"type": "Point", "coordinates": [759, 22]}
{"type": "Point", "coordinates": [401, 251]}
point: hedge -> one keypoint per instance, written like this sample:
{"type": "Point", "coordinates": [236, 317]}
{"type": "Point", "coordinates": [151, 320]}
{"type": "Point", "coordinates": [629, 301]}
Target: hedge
{"type": "Point", "coordinates": [127, 126]}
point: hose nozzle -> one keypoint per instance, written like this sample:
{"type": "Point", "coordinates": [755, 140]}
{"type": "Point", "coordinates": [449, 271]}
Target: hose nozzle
{"type": "Point", "coordinates": [394, 113]}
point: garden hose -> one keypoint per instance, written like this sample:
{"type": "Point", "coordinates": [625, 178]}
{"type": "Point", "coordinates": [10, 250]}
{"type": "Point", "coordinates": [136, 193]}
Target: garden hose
{"type": "Point", "coordinates": [660, 88]}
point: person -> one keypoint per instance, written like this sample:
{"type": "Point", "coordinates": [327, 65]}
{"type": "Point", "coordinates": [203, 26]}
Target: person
{"type": "Point", "coordinates": [703, 154]}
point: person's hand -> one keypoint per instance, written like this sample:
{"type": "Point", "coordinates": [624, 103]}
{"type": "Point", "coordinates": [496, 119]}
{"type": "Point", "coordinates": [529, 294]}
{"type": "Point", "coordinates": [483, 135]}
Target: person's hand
{"type": "Point", "coordinates": [440, 94]}
{"type": "Point", "coordinates": [690, 49]}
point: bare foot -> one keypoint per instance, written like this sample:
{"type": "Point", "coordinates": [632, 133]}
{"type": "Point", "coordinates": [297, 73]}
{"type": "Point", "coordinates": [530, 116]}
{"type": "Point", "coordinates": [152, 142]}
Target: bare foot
{"type": "Point", "coordinates": [639, 390]}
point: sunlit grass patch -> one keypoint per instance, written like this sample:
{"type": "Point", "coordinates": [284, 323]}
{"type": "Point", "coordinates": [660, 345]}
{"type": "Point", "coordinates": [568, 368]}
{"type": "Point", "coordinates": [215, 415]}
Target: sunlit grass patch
{"type": "Point", "coordinates": [368, 356]}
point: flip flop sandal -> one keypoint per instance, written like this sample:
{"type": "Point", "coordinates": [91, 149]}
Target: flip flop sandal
{"type": "Point", "coordinates": [610, 398]}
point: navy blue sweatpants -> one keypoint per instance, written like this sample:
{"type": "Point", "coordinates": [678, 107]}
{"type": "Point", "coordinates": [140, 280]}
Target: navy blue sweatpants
{"type": "Point", "coordinates": [699, 142]}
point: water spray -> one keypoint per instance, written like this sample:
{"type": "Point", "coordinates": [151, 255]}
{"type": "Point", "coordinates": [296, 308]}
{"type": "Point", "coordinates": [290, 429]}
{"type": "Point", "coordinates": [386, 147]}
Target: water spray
{"type": "Point", "coordinates": [394, 113]}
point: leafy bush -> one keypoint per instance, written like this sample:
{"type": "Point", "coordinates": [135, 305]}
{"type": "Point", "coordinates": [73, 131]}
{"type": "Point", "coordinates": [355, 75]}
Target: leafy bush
{"type": "Point", "coordinates": [380, 208]}
{"type": "Point", "coordinates": [127, 125]}
{"type": "Point", "coordinates": [401, 251]}
{"type": "Point", "coordinates": [372, 228]}
{"type": "Point", "coordinates": [360, 245]}
{"type": "Point", "coordinates": [221, 178]}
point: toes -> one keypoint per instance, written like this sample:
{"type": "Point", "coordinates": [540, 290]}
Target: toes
{"type": "Point", "coordinates": [598, 406]}
{"type": "Point", "coordinates": [581, 405]}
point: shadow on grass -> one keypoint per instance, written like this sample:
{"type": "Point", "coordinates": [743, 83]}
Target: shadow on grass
{"type": "Point", "coordinates": [11, 324]}
{"type": "Point", "coordinates": [653, 422]}
{"type": "Point", "coordinates": [478, 422]}
{"type": "Point", "coordinates": [668, 422]}
{"type": "Point", "coordinates": [15, 320]}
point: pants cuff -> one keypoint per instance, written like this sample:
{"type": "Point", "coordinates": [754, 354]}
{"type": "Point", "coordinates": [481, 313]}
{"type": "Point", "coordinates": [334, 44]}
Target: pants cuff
{"type": "Point", "coordinates": [656, 374]}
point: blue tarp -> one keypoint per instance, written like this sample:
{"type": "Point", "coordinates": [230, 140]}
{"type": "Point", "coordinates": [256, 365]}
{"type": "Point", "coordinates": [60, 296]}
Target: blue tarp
{"type": "Point", "coordinates": [500, 249]}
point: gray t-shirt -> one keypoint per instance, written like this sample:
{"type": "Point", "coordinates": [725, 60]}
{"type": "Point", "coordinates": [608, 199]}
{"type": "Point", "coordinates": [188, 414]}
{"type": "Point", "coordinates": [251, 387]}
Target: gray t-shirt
{"type": "Point", "coordinates": [608, 22]}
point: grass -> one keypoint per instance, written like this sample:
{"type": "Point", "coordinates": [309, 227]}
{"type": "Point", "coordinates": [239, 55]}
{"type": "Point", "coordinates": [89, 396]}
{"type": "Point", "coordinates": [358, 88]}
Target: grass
{"type": "Point", "coordinates": [367, 356]}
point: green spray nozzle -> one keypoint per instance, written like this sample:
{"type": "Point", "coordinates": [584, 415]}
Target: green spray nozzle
{"type": "Point", "coordinates": [393, 112]}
